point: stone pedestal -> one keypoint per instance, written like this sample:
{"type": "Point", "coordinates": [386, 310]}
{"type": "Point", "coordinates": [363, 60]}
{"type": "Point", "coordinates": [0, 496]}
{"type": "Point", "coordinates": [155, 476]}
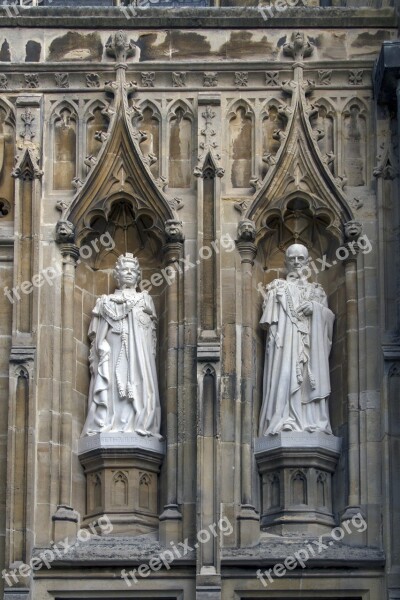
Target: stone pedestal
{"type": "Point", "coordinates": [296, 476]}
{"type": "Point", "coordinates": [122, 480]}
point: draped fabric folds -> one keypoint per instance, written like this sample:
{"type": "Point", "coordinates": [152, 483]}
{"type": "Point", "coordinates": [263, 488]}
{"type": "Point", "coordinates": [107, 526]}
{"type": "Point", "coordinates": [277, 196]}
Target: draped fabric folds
{"type": "Point", "coordinates": [123, 394]}
{"type": "Point", "coordinates": [296, 370]}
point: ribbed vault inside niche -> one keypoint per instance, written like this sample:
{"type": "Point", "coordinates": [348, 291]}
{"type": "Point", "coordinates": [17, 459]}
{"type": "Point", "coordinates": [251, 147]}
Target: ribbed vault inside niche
{"type": "Point", "coordinates": [120, 229]}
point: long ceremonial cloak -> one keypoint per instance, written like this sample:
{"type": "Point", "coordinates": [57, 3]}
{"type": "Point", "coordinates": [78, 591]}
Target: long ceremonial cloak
{"type": "Point", "coordinates": [122, 364]}
{"type": "Point", "coordinates": [296, 370]}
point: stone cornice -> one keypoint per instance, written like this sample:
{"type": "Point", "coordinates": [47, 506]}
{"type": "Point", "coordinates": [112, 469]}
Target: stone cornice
{"type": "Point", "coordinates": [211, 18]}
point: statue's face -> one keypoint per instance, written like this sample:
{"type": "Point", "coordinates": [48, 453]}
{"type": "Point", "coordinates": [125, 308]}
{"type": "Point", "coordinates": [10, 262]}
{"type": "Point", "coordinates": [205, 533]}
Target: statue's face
{"type": "Point", "coordinates": [127, 275]}
{"type": "Point", "coordinates": [296, 258]}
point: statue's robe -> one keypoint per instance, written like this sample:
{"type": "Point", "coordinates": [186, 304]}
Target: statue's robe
{"type": "Point", "coordinates": [123, 393]}
{"type": "Point", "coordinates": [296, 371]}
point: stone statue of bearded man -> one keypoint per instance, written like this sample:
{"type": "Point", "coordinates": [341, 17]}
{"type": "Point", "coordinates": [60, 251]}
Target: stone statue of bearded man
{"type": "Point", "coordinates": [123, 393]}
{"type": "Point", "coordinates": [296, 373]}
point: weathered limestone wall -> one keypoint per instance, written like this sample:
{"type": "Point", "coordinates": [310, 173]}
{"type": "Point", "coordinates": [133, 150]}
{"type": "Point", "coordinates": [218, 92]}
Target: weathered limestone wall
{"type": "Point", "coordinates": [228, 122]}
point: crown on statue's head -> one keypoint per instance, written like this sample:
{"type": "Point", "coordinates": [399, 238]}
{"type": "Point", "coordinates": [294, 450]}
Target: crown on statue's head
{"type": "Point", "coordinates": [127, 257]}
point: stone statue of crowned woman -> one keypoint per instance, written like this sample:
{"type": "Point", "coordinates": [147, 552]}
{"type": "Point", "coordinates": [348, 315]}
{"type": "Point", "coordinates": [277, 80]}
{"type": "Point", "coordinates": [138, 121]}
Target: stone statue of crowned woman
{"type": "Point", "coordinates": [123, 393]}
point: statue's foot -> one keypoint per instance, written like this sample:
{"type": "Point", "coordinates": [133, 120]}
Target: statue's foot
{"type": "Point", "coordinates": [142, 432]}
{"type": "Point", "coordinates": [287, 427]}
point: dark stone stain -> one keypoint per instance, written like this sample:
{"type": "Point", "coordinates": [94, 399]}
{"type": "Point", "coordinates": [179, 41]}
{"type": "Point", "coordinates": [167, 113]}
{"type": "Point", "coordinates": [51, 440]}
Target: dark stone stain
{"type": "Point", "coordinates": [5, 55]}
{"type": "Point", "coordinates": [149, 49]}
{"type": "Point", "coordinates": [81, 47]}
{"type": "Point", "coordinates": [33, 50]}
{"type": "Point", "coordinates": [241, 45]}
{"type": "Point", "coordinates": [370, 39]}
{"type": "Point", "coordinates": [333, 46]}
{"type": "Point", "coordinates": [190, 45]}
{"type": "Point", "coordinates": [317, 42]}
{"type": "Point", "coordinates": [281, 41]}
{"type": "Point", "coordinates": [177, 45]}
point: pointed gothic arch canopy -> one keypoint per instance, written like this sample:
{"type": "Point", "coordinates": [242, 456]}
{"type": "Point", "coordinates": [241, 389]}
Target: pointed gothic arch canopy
{"type": "Point", "coordinates": [119, 170]}
{"type": "Point", "coordinates": [299, 170]}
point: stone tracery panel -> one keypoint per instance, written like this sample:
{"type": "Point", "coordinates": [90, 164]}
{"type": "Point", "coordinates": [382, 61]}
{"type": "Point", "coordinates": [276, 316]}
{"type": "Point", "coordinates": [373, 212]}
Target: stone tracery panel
{"type": "Point", "coordinates": [355, 137]}
{"type": "Point", "coordinates": [7, 153]}
{"type": "Point", "coordinates": [64, 147]}
{"type": "Point", "coordinates": [241, 121]}
{"type": "Point", "coordinates": [180, 147]}
{"type": "Point", "coordinates": [96, 121]}
{"type": "Point", "coordinates": [324, 126]}
{"type": "Point", "coordinates": [273, 121]}
{"type": "Point", "coordinates": [150, 124]}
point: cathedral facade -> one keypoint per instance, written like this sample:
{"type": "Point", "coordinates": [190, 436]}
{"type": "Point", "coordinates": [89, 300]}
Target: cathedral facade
{"type": "Point", "coordinates": [180, 419]}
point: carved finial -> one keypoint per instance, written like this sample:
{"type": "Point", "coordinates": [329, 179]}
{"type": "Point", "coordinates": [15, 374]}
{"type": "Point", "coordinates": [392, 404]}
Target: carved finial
{"type": "Point", "coordinates": [298, 48]}
{"type": "Point", "coordinates": [175, 203]}
{"type": "Point", "coordinates": [63, 206]}
{"type": "Point", "coordinates": [269, 159]}
{"type": "Point", "coordinates": [208, 145]}
{"type": "Point", "coordinates": [255, 183]}
{"type": "Point", "coordinates": [174, 230]}
{"type": "Point", "coordinates": [119, 47]}
{"type": "Point", "coordinates": [242, 205]}
{"type": "Point", "coordinates": [288, 86]}
{"type": "Point", "coordinates": [162, 183]}
{"type": "Point", "coordinates": [27, 133]}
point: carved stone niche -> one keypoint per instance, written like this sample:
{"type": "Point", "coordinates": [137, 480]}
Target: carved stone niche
{"type": "Point", "coordinates": [296, 478]}
{"type": "Point", "coordinates": [122, 480]}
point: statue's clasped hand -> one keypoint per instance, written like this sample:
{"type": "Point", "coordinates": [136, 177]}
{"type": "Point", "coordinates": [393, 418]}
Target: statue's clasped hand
{"type": "Point", "coordinates": [306, 308]}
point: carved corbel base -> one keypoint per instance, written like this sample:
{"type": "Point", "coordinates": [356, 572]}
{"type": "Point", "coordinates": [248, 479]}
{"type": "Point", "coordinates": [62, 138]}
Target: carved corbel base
{"type": "Point", "coordinates": [296, 477]}
{"type": "Point", "coordinates": [121, 481]}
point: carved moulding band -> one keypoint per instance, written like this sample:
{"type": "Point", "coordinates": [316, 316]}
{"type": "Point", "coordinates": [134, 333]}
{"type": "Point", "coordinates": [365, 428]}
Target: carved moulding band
{"type": "Point", "coordinates": [128, 441]}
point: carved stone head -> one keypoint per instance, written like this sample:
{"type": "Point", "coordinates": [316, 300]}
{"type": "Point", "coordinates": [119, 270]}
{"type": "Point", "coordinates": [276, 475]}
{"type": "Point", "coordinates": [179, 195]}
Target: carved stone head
{"type": "Point", "coordinates": [174, 230]}
{"type": "Point", "coordinates": [127, 271]}
{"type": "Point", "coordinates": [298, 39]}
{"type": "Point", "coordinates": [65, 232]}
{"type": "Point", "coordinates": [352, 230]}
{"type": "Point", "coordinates": [247, 230]}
